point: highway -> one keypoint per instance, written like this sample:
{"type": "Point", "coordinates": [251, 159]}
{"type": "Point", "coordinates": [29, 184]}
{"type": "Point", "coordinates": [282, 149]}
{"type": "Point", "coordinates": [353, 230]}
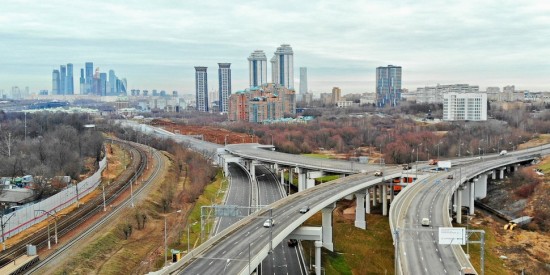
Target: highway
{"type": "Point", "coordinates": [237, 194]}
{"type": "Point", "coordinates": [284, 259]}
{"type": "Point", "coordinates": [230, 254]}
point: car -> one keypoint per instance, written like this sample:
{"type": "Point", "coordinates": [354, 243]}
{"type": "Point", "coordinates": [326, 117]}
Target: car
{"type": "Point", "coordinates": [425, 222]}
{"type": "Point", "coordinates": [269, 223]}
{"type": "Point", "coordinates": [407, 167]}
{"type": "Point", "coordinates": [304, 209]}
{"type": "Point", "coordinates": [450, 176]}
{"type": "Point", "coordinates": [378, 173]}
{"type": "Point", "coordinates": [292, 242]}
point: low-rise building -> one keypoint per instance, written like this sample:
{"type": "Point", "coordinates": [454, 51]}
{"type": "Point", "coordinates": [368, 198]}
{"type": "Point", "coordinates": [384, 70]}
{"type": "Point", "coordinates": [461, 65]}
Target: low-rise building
{"type": "Point", "coordinates": [434, 94]}
{"type": "Point", "coordinates": [262, 104]}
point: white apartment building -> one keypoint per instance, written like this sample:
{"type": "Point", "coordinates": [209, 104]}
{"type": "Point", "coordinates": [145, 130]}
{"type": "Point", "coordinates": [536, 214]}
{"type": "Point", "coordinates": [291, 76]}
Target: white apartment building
{"type": "Point", "coordinates": [435, 94]}
{"type": "Point", "coordinates": [465, 106]}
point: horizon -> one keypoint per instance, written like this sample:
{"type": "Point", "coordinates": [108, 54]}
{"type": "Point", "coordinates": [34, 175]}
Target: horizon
{"type": "Point", "coordinates": [484, 44]}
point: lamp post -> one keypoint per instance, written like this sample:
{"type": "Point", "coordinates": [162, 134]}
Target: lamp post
{"type": "Point", "coordinates": [165, 236]}
{"type": "Point", "coordinates": [439, 143]}
{"type": "Point", "coordinates": [3, 224]}
{"type": "Point", "coordinates": [417, 149]}
{"type": "Point", "coordinates": [225, 139]}
{"type": "Point", "coordinates": [271, 140]}
{"type": "Point", "coordinates": [55, 227]}
{"type": "Point", "coordinates": [459, 146]}
{"type": "Point", "coordinates": [188, 238]}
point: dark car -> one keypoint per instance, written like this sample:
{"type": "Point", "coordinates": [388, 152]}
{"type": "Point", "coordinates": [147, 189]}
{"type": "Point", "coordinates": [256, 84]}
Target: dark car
{"type": "Point", "coordinates": [450, 176]}
{"type": "Point", "coordinates": [292, 242]}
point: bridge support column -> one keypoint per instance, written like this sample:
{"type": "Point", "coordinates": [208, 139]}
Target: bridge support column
{"type": "Point", "coordinates": [459, 205]}
{"type": "Point", "coordinates": [327, 226]}
{"type": "Point", "coordinates": [275, 168]}
{"type": "Point", "coordinates": [360, 211]}
{"type": "Point", "coordinates": [367, 201]}
{"type": "Point", "coordinates": [472, 198]}
{"type": "Point", "coordinates": [282, 176]}
{"type": "Point", "coordinates": [374, 200]}
{"type": "Point", "coordinates": [481, 187]}
{"type": "Point", "coordinates": [501, 174]}
{"type": "Point", "coordinates": [302, 179]}
{"type": "Point", "coordinates": [494, 174]}
{"type": "Point", "coordinates": [455, 199]}
{"type": "Point", "coordinates": [318, 246]}
{"type": "Point", "coordinates": [380, 189]}
{"type": "Point", "coordinates": [384, 200]}
{"type": "Point", "coordinates": [253, 170]}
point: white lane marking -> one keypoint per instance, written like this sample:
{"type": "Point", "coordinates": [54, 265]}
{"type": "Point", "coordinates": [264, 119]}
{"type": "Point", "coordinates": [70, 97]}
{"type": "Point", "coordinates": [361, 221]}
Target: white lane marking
{"type": "Point", "coordinates": [445, 270]}
{"type": "Point", "coordinates": [211, 263]}
{"type": "Point", "coordinates": [224, 252]}
{"type": "Point", "coordinates": [440, 260]}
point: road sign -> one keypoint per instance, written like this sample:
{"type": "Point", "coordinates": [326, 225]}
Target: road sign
{"type": "Point", "coordinates": [452, 235]}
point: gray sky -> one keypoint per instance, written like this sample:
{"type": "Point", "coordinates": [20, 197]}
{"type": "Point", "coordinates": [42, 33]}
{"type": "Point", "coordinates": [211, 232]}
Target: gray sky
{"type": "Point", "coordinates": [155, 44]}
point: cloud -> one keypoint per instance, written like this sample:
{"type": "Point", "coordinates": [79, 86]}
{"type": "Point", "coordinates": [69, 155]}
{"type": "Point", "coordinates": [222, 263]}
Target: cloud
{"type": "Point", "coordinates": [157, 43]}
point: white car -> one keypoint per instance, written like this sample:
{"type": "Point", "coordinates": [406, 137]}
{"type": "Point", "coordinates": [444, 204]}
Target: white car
{"type": "Point", "coordinates": [425, 222]}
{"type": "Point", "coordinates": [269, 223]}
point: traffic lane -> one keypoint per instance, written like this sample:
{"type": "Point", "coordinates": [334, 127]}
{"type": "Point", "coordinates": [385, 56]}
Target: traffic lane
{"type": "Point", "coordinates": [238, 194]}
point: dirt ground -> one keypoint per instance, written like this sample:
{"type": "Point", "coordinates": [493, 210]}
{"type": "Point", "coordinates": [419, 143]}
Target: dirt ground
{"type": "Point", "coordinates": [208, 133]}
{"type": "Point", "coordinates": [523, 248]}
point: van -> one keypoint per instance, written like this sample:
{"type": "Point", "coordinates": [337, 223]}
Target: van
{"type": "Point", "coordinates": [425, 222]}
{"type": "Point", "coordinates": [503, 153]}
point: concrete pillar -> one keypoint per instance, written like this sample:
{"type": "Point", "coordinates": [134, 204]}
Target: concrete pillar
{"type": "Point", "coordinates": [367, 201]}
{"type": "Point", "coordinates": [302, 178]}
{"type": "Point", "coordinates": [384, 200]}
{"type": "Point", "coordinates": [471, 206]}
{"type": "Point", "coordinates": [392, 192]}
{"type": "Point", "coordinates": [290, 175]}
{"type": "Point", "coordinates": [225, 168]}
{"type": "Point", "coordinates": [494, 174]}
{"type": "Point", "coordinates": [252, 170]}
{"type": "Point", "coordinates": [380, 189]}
{"type": "Point", "coordinates": [459, 206]}
{"type": "Point", "coordinates": [360, 211]}
{"type": "Point", "coordinates": [282, 176]}
{"type": "Point", "coordinates": [318, 245]}
{"type": "Point", "coordinates": [275, 168]}
{"type": "Point", "coordinates": [327, 226]}
{"type": "Point", "coordinates": [374, 193]}
{"type": "Point", "coordinates": [455, 199]}
{"type": "Point", "coordinates": [501, 175]}
{"type": "Point", "coordinates": [481, 187]}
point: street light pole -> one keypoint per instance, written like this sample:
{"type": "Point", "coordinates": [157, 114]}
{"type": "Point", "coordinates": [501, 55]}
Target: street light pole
{"type": "Point", "coordinates": [166, 237]}
{"type": "Point", "coordinates": [4, 225]}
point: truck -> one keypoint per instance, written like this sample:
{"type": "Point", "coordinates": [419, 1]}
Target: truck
{"type": "Point", "coordinates": [407, 166]}
{"type": "Point", "coordinates": [432, 162]}
{"type": "Point", "coordinates": [503, 153]}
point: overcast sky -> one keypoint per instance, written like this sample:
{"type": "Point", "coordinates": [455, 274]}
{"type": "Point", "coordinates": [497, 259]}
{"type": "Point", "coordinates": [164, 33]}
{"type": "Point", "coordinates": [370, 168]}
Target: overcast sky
{"type": "Point", "coordinates": [156, 44]}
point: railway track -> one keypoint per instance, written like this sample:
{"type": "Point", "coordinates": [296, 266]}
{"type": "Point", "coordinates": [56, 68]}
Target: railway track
{"type": "Point", "coordinates": [72, 220]}
{"type": "Point", "coordinates": [116, 210]}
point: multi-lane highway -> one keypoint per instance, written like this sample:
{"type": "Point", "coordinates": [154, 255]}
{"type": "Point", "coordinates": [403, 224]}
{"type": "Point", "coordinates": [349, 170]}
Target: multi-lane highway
{"type": "Point", "coordinates": [238, 194]}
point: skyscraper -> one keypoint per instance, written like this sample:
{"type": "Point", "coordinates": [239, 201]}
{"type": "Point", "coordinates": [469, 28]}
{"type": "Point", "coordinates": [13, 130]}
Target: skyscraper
{"type": "Point", "coordinates": [303, 82]}
{"type": "Point", "coordinates": [257, 64]}
{"type": "Point", "coordinates": [69, 81]}
{"type": "Point", "coordinates": [201, 89]}
{"type": "Point", "coordinates": [224, 78]}
{"type": "Point", "coordinates": [388, 85]}
{"type": "Point", "coordinates": [82, 82]}
{"type": "Point", "coordinates": [62, 79]}
{"type": "Point", "coordinates": [55, 82]}
{"type": "Point", "coordinates": [103, 84]}
{"type": "Point", "coordinates": [112, 83]}
{"type": "Point", "coordinates": [89, 77]}
{"type": "Point", "coordinates": [283, 64]}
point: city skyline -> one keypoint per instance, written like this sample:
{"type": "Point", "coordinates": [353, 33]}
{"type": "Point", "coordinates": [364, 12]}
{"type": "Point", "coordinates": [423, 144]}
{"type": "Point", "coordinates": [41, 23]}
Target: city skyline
{"type": "Point", "coordinates": [485, 44]}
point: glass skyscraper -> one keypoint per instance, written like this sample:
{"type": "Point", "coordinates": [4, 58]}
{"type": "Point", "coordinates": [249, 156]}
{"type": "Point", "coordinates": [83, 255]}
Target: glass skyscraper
{"type": "Point", "coordinates": [257, 64]}
{"type": "Point", "coordinates": [55, 82]}
{"type": "Point", "coordinates": [82, 82]}
{"type": "Point", "coordinates": [62, 79]}
{"type": "Point", "coordinates": [69, 81]}
{"type": "Point", "coordinates": [103, 84]}
{"type": "Point", "coordinates": [201, 89]}
{"type": "Point", "coordinates": [112, 83]}
{"type": "Point", "coordinates": [89, 66]}
{"type": "Point", "coordinates": [388, 86]}
{"type": "Point", "coordinates": [282, 65]}
{"type": "Point", "coordinates": [224, 78]}
{"type": "Point", "coordinates": [303, 81]}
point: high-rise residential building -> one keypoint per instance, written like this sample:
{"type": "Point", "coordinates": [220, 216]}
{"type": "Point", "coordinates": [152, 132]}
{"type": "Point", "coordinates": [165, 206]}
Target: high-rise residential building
{"type": "Point", "coordinates": [388, 86]}
{"type": "Point", "coordinates": [89, 66]}
{"type": "Point", "coordinates": [82, 82]}
{"type": "Point", "coordinates": [336, 95]}
{"type": "Point", "coordinates": [465, 106]}
{"type": "Point", "coordinates": [62, 79]}
{"type": "Point", "coordinates": [201, 89]}
{"type": "Point", "coordinates": [112, 90]}
{"type": "Point", "coordinates": [55, 82]}
{"type": "Point", "coordinates": [261, 104]}
{"type": "Point", "coordinates": [283, 65]}
{"type": "Point", "coordinates": [303, 81]}
{"type": "Point", "coordinates": [69, 81]}
{"type": "Point", "coordinates": [103, 84]}
{"type": "Point", "coordinates": [257, 66]}
{"type": "Point", "coordinates": [224, 78]}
